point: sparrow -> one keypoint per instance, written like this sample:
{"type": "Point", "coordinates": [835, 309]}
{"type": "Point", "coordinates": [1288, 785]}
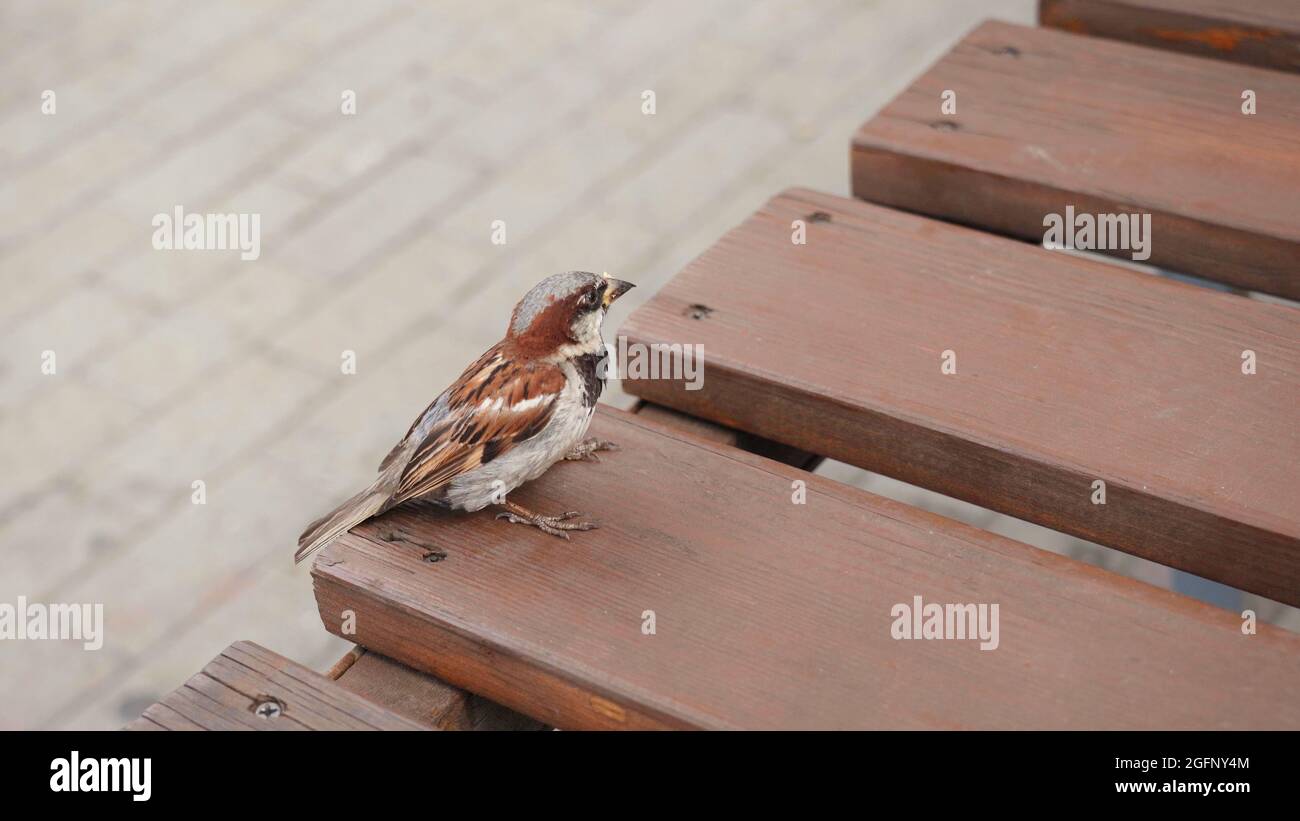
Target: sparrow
{"type": "Point", "coordinates": [524, 405]}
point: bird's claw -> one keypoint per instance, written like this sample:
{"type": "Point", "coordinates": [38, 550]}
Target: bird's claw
{"type": "Point", "coordinates": [555, 525]}
{"type": "Point", "coordinates": [586, 451]}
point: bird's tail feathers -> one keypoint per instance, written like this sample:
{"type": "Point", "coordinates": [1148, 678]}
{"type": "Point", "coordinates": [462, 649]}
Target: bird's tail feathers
{"type": "Point", "coordinates": [369, 502]}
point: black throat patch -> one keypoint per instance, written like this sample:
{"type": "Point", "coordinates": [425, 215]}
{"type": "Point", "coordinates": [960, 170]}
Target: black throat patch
{"type": "Point", "coordinates": [589, 367]}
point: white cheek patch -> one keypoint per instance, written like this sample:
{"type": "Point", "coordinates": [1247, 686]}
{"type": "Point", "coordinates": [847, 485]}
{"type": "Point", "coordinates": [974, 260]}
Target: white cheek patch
{"type": "Point", "coordinates": [587, 327]}
{"type": "Point", "coordinates": [587, 331]}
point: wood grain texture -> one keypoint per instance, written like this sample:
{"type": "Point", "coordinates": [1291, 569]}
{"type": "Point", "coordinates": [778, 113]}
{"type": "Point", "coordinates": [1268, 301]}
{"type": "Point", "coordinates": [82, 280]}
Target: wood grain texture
{"type": "Point", "coordinates": [777, 615]}
{"type": "Point", "coordinates": [422, 697]}
{"type": "Point", "coordinates": [406, 692]}
{"type": "Point", "coordinates": [1263, 33]}
{"type": "Point", "coordinates": [1068, 371]}
{"type": "Point", "coordinates": [1047, 120]}
{"type": "Point", "coordinates": [225, 694]}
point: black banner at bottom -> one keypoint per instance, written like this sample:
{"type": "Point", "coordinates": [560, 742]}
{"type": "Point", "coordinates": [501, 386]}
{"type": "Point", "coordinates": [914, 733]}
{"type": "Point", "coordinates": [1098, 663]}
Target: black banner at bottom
{"type": "Point", "coordinates": [333, 770]}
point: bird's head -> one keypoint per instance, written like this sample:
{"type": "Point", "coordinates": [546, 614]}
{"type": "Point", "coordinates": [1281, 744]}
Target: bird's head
{"type": "Point", "coordinates": [561, 316]}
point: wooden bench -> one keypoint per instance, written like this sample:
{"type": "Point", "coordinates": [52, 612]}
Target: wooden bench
{"type": "Point", "coordinates": [728, 587]}
{"type": "Point", "coordinates": [1068, 371]}
{"type": "Point", "coordinates": [1263, 33]}
{"type": "Point", "coordinates": [248, 687]}
{"type": "Point", "coordinates": [1047, 120]}
{"type": "Point", "coordinates": [774, 614]}
{"type": "Point", "coordinates": [715, 595]}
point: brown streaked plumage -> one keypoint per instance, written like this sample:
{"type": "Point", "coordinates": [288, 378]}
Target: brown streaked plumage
{"type": "Point", "coordinates": [519, 408]}
{"type": "Point", "coordinates": [481, 423]}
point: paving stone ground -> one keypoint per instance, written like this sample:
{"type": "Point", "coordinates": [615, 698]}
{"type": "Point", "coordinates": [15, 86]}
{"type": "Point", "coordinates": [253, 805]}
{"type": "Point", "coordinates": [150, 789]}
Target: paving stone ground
{"type": "Point", "coordinates": [174, 367]}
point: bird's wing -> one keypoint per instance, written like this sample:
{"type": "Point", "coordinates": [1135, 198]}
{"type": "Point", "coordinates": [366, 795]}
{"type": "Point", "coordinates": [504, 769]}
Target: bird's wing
{"type": "Point", "coordinates": [495, 404]}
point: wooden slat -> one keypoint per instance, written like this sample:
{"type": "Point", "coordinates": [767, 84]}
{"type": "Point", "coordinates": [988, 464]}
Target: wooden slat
{"type": "Point", "coordinates": [1047, 120]}
{"type": "Point", "coordinates": [409, 693]}
{"type": "Point", "coordinates": [422, 697]}
{"type": "Point", "coordinates": [225, 695]}
{"type": "Point", "coordinates": [1068, 371]}
{"type": "Point", "coordinates": [770, 614]}
{"type": "Point", "coordinates": [1262, 33]}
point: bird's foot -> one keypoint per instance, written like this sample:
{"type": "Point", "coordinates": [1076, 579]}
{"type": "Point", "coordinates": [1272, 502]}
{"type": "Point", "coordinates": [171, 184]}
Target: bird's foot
{"type": "Point", "coordinates": [586, 451]}
{"type": "Point", "coordinates": [555, 525]}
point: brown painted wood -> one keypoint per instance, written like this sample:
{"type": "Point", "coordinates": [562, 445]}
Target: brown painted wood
{"type": "Point", "coordinates": [1069, 370]}
{"type": "Point", "coordinates": [1047, 119]}
{"type": "Point", "coordinates": [771, 614]}
{"type": "Point", "coordinates": [1263, 33]}
{"type": "Point", "coordinates": [422, 697]}
{"type": "Point", "coordinates": [406, 692]}
{"type": "Point", "coordinates": [225, 694]}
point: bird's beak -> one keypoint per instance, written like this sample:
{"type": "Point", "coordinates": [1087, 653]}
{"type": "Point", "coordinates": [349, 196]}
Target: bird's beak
{"type": "Point", "coordinates": [615, 289]}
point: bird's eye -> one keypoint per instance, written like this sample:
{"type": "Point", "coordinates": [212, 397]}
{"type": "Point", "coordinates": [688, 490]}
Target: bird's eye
{"type": "Point", "coordinates": [589, 298]}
